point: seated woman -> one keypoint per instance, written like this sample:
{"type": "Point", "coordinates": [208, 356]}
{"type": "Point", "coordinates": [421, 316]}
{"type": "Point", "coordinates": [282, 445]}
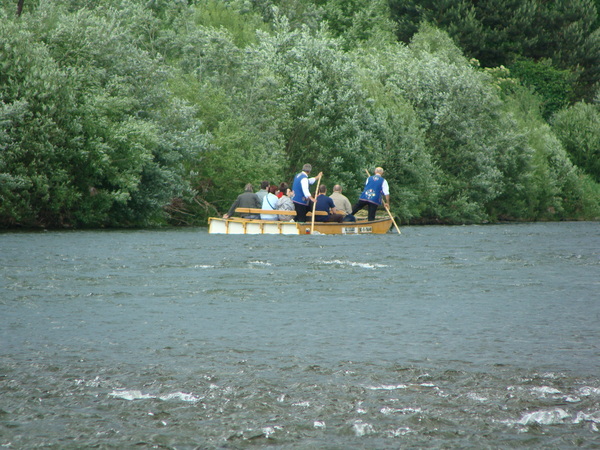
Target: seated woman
{"type": "Point", "coordinates": [285, 203]}
{"type": "Point", "coordinates": [269, 202]}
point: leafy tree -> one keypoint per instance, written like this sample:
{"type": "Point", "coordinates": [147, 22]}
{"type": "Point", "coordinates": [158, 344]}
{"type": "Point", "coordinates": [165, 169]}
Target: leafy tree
{"type": "Point", "coordinates": [242, 24]}
{"type": "Point", "coordinates": [399, 139]}
{"type": "Point", "coordinates": [326, 121]}
{"type": "Point", "coordinates": [97, 140]}
{"type": "Point", "coordinates": [498, 32]}
{"type": "Point", "coordinates": [136, 113]}
{"type": "Point", "coordinates": [578, 128]}
{"type": "Point", "coordinates": [552, 186]}
{"type": "Point", "coordinates": [358, 22]}
{"type": "Point", "coordinates": [235, 99]}
{"type": "Point", "coordinates": [554, 86]}
{"type": "Point", "coordinates": [299, 13]}
{"type": "Point", "coordinates": [464, 124]}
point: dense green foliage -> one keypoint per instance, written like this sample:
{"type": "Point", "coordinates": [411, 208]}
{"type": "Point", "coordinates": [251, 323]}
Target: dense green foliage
{"type": "Point", "coordinates": [136, 113]}
{"type": "Point", "coordinates": [578, 128]}
{"type": "Point", "coordinates": [559, 34]}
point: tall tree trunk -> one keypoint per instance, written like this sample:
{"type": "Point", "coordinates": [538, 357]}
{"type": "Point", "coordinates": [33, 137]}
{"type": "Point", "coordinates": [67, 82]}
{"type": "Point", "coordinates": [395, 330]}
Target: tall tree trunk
{"type": "Point", "coordinates": [20, 7]}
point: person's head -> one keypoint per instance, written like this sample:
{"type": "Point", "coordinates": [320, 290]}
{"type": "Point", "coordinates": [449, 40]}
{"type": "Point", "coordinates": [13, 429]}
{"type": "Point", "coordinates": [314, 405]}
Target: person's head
{"type": "Point", "coordinates": [249, 188]}
{"type": "Point", "coordinates": [379, 171]}
{"type": "Point", "coordinates": [322, 189]}
{"type": "Point", "coordinates": [273, 189]}
{"type": "Point", "coordinates": [337, 188]}
{"type": "Point", "coordinates": [306, 168]}
{"type": "Point", "coordinates": [264, 184]}
{"type": "Point", "coordinates": [283, 187]}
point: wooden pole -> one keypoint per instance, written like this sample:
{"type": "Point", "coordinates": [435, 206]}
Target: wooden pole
{"type": "Point", "coordinates": [312, 224]}
{"type": "Point", "coordinates": [388, 210]}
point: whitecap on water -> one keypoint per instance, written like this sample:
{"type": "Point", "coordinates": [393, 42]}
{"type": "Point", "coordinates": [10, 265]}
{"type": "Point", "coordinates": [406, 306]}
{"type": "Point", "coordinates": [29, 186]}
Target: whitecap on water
{"type": "Point", "coordinates": [547, 417]}
{"type": "Point", "coordinates": [180, 396]}
{"type": "Point", "coordinates": [96, 382]}
{"type": "Point", "coordinates": [387, 411]}
{"type": "Point", "coordinates": [130, 395]}
{"type": "Point", "coordinates": [544, 390]}
{"type": "Point", "coordinates": [477, 397]}
{"type": "Point", "coordinates": [355, 264]}
{"type": "Point", "coordinates": [259, 263]}
{"type": "Point", "coordinates": [303, 404]}
{"type": "Point", "coordinates": [399, 432]}
{"type": "Point", "coordinates": [268, 431]}
{"type": "Point", "coordinates": [387, 387]}
{"type": "Point", "coordinates": [583, 417]}
{"type": "Point", "coordinates": [588, 391]}
{"type": "Point", "coordinates": [362, 428]}
{"type": "Point", "coordinates": [138, 395]}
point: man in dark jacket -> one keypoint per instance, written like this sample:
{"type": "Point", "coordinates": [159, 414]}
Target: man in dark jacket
{"type": "Point", "coordinates": [246, 200]}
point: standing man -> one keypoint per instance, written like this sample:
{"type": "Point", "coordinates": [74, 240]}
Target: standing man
{"type": "Point", "coordinates": [376, 188]}
{"type": "Point", "coordinates": [302, 196]}
{"type": "Point", "coordinates": [342, 204]}
{"type": "Point", "coordinates": [246, 200]}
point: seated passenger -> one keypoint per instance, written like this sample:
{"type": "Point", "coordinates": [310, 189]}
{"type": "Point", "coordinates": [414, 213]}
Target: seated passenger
{"type": "Point", "coordinates": [285, 203]}
{"type": "Point", "coordinates": [246, 200]}
{"type": "Point", "coordinates": [325, 203]}
{"type": "Point", "coordinates": [270, 202]}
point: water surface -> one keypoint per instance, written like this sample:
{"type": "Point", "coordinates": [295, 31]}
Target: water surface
{"type": "Point", "coordinates": [474, 336]}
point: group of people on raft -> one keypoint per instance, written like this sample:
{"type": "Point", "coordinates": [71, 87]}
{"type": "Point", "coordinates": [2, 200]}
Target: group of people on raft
{"type": "Point", "coordinates": [299, 199]}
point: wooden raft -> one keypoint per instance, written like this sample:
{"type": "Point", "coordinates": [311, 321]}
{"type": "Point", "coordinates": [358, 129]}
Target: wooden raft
{"type": "Point", "coordinates": [274, 212]}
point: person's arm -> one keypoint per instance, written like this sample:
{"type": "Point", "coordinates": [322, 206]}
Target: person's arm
{"type": "Point", "coordinates": [305, 182]}
{"type": "Point", "coordinates": [232, 209]}
{"type": "Point", "coordinates": [332, 209]}
{"type": "Point", "coordinates": [313, 179]}
{"type": "Point", "coordinates": [305, 191]}
{"type": "Point", "coordinates": [385, 189]}
{"type": "Point", "coordinates": [347, 206]}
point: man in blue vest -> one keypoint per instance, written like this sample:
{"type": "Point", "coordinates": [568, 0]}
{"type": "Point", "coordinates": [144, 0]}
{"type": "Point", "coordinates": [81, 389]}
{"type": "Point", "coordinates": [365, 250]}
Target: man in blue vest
{"type": "Point", "coordinates": [376, 189]}
{"type": "Point", "coordinates": [302, 196]}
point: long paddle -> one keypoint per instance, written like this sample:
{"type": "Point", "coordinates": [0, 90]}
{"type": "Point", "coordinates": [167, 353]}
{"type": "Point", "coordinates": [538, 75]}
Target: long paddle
{"type": "Point", "coordinates": [388, 210]}
{"type": "Point", "coordinates": [312, 224]}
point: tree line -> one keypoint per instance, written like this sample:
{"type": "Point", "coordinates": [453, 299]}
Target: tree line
{"type": "Point", "coordinates": [152, 112]}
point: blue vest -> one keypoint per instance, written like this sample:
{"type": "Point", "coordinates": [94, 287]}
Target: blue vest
{"type": "Point", "coordinates": [297, 188]}
{"type": "Point", "coordinates": [373, 192]}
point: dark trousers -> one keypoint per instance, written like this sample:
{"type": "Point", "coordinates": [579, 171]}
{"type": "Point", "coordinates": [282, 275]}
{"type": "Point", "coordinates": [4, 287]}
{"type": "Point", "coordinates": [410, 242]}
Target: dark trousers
{"type": "Point", "coordinates": [301, 211]}
{"type": "Point", "coordinates": [334, 218]}
{"type": "Point", "coordinates": [372, 208]}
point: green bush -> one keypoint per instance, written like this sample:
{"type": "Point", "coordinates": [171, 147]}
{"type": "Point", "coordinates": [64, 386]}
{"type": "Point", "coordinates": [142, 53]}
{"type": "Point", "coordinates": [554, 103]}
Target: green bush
{"type": "Point", "coordinates": [578, 128]}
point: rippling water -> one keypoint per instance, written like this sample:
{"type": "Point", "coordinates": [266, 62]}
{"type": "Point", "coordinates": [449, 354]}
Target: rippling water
{"type": "Point", "coordinates": [476, 336]}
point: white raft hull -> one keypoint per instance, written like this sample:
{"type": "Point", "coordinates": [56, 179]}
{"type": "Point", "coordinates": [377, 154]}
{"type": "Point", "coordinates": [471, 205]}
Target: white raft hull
{"type": "Point", "coordinates": [249, 226]}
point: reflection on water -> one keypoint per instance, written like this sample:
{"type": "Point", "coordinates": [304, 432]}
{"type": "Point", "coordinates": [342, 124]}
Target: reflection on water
{"type": "Point", "coordinates": [442, 336]}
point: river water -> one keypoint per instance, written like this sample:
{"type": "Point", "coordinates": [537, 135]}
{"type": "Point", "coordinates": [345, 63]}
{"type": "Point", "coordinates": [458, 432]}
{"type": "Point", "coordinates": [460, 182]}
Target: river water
{"type": "Point", "coordinates": [470, 336]}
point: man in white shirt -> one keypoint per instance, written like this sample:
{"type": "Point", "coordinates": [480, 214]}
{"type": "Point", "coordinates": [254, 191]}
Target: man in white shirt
{"type": "Point", "coordinates": [302, 196]}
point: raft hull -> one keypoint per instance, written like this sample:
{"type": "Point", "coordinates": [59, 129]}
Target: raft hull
{"type": "Point", "coordinates": [237, 225]}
